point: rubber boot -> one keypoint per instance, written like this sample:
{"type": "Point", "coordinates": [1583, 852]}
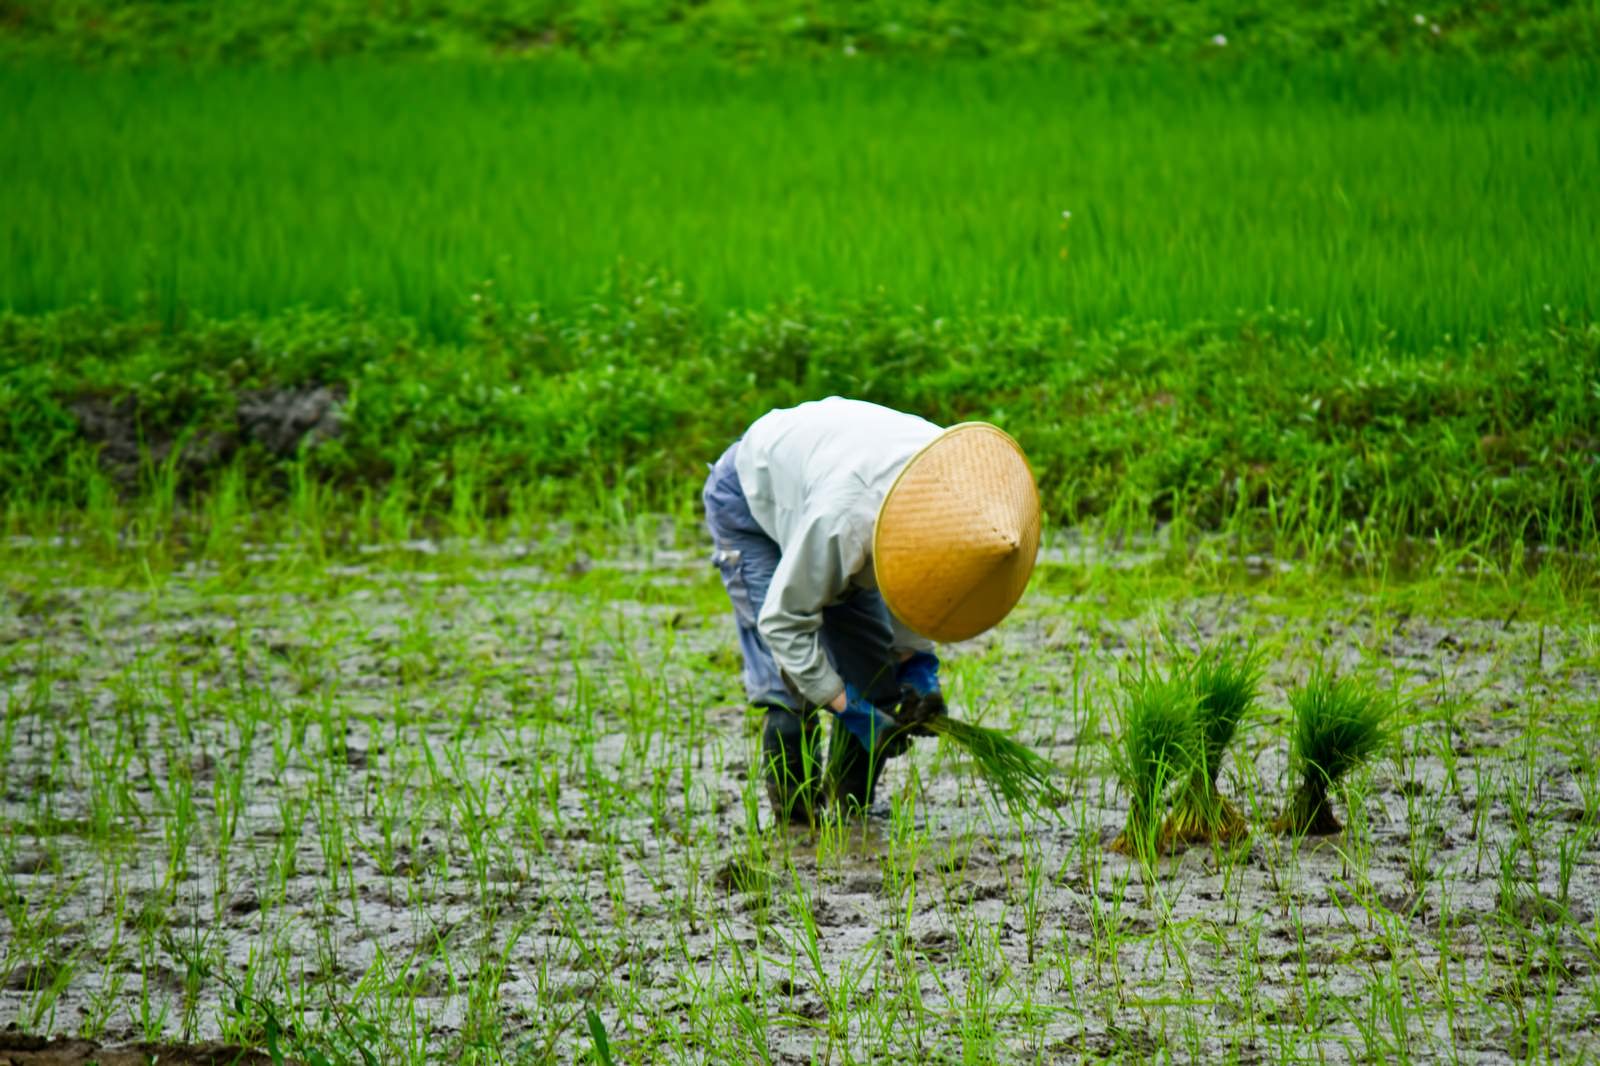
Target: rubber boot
{"type": "Point", "coordinates": [852, 777]}
{"type": "Point", "coordinates": [789, 764]}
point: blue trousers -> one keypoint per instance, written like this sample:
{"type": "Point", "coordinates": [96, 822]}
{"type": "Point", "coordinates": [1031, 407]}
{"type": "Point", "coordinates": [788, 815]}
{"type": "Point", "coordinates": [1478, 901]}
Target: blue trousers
{"type": "Point", "coordinates": [856, 636]}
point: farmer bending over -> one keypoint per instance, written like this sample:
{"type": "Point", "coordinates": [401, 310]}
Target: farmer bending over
{"type": "Point", "coordinates": [850, 537]}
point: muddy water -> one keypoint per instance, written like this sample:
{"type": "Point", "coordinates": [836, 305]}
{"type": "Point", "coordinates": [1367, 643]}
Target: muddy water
{"type": "Point", "coordinates": [433, 809]}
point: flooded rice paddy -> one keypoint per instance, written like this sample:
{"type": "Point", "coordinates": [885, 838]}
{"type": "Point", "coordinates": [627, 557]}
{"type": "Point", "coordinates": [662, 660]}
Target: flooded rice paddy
{"type": "Point", "coordinates": [422, 803]}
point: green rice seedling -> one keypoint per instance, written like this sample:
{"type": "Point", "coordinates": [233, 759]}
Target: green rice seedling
{"type": "Point", "coordinates": [1338, 723]}
{"type": "Point", "coordinates": [1159, 747]}
{"type": "Point", "coordinates": [597, 1033]}
{"type": "Point", "coordinates": [1225, 687]}
{"type": "Point", "coordinates": [1020, 777]}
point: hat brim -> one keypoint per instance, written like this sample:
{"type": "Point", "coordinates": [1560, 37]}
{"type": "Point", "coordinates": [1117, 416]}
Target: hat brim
{"type": "Point", "coordinates": [958, 533]}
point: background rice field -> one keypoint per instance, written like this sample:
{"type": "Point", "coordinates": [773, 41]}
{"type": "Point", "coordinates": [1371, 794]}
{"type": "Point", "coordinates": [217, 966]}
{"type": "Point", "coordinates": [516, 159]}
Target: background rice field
{"type": "Point", "coordinates": [1424, 201]}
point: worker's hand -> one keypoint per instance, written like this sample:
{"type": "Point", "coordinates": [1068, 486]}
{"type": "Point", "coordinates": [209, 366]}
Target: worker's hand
{"type": "Point", "coordinates": [919, 672]}
{"type": "Point", "coordinates": [920, 698]}
{"type": "Point", "coordinates": [879, 732]}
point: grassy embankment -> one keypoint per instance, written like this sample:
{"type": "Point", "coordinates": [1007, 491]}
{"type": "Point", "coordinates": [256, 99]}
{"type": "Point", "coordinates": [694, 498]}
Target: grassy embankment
{"type": "Point", "coordinates": [1519, 33]}
{"type": "Point", "coordinates": [889, 232]}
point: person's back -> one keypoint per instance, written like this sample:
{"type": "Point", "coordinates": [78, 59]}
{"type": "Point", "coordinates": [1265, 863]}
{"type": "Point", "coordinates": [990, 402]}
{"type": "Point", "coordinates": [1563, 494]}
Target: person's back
{"type": "Point", "coordinates": [832, 458]}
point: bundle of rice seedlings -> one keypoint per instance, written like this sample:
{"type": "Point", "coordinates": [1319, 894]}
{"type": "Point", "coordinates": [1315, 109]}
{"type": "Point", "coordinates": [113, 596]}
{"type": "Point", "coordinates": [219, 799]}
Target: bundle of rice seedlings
{"type": "Point", "coordinates": [1338, 724]}
{"type": "Point", "coordinates": [1018, 775]}
{"type": "Point", "coordinates": [1159, 747]}
{"type": "Point", "coordinates": [1225, 687]}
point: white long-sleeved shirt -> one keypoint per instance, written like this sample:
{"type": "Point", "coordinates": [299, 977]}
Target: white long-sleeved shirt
{"type": "Point", "coordinates": [814, 477]}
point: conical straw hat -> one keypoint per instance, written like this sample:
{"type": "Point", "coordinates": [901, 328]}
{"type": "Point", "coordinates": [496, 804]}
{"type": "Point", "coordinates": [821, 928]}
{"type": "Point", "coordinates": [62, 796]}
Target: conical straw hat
{"type": "Point", "coordinates": [957, 533]}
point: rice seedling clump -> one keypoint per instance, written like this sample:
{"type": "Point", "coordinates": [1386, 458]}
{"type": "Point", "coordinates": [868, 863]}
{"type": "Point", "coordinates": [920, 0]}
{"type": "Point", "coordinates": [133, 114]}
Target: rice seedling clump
{"type": "Point", "coordinates": [1339, 722]}
{"type": "Point", "coordinates": [1225, 686]}
{"type": "Point", "coordinates": [1160, 745]}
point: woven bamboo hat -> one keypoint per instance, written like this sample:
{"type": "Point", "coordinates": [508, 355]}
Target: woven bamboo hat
{"type": "Point", "coordinates": [957, 534]}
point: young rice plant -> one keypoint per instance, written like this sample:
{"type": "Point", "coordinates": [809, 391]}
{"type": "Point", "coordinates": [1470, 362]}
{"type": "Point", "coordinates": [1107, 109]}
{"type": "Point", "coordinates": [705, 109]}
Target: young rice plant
{"type": "Point", "coordinates": [1338, 723]}
{"type": "Point", "coordinates": [1225, 686]}
{"type": "Point", "coordinates": [1019, 776]}
{"type": "Point", "coordinates": [1159, 747]}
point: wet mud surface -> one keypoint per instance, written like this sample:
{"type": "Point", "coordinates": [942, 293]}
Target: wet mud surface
{"type": "Point", "coordinates": [17, 1049]}
{"type": "Point", "coordinates": [433, 808]}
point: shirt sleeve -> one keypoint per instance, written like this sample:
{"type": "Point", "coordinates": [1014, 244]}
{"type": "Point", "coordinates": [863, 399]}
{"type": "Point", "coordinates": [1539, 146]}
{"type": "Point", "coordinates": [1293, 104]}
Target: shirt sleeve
{"type": "Point", "coordinates": [813, 572]}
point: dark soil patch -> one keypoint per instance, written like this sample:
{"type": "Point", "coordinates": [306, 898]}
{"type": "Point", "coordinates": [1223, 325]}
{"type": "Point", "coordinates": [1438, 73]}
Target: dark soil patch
{"type": "Point", "coordinates": [281, 419]}
{"type": "Point", "coordinates": [19, 1049]}
{"type": "Point", "coordinates": [278, 420]}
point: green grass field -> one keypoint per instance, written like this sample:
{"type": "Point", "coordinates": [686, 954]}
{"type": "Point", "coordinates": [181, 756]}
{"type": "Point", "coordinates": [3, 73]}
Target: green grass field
{"type": "Point", "coordinates": [1432, 200]}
